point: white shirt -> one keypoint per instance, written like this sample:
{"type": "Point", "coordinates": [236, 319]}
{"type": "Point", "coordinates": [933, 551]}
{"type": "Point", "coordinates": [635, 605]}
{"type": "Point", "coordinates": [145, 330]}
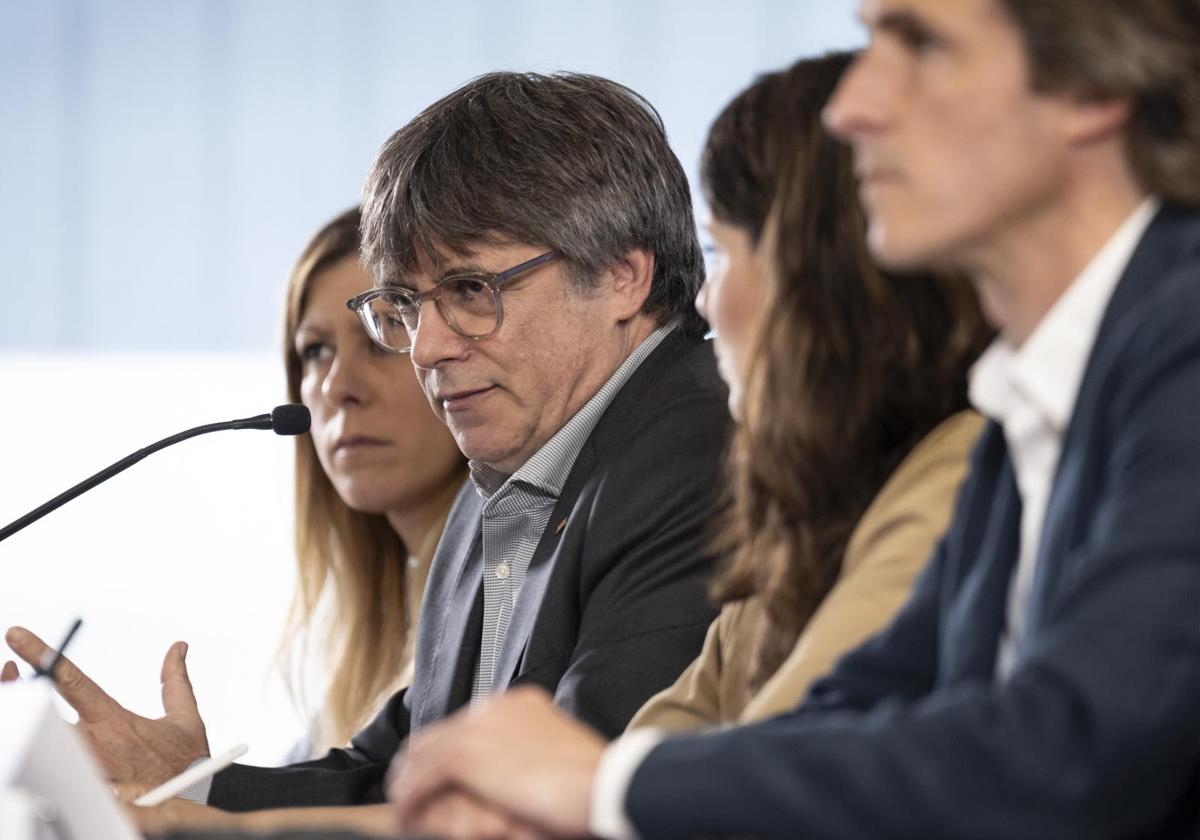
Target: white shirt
{"type": "Point", "coordinates": [1030, 391]}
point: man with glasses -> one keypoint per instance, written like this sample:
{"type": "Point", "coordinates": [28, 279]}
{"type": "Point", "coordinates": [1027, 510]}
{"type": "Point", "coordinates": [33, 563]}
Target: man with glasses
{"type": "Point", "coordinates": [536, 256]}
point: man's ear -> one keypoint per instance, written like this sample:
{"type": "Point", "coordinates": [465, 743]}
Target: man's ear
{"type": "Point", "coordinates": [1096, 119]}
{"type": "Point", "coordinates": [631, 277]}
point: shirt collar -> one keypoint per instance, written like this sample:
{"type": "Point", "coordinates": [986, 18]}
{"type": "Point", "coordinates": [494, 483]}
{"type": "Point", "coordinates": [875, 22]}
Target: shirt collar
{"type": "Point", "coordinates": [548, 468]}
{"type": "Point", "coordinates": [1046, 371]}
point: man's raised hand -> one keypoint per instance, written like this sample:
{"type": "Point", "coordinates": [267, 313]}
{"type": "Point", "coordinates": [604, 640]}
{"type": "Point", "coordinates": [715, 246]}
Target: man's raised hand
{"type": "Point", "coordinates": [132, 749]}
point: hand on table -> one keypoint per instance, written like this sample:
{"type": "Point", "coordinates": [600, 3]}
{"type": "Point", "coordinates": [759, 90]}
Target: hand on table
{"type": "Point", "coordinates": [181, 814]}
{"type": "Point", "coordinates": [518, 755]}
{"type": "Point", "coordinates": [453, 815]}
{"type": "Point", "coordinates": [171, 815]}
{"type": "Point", "coordinates": [131, 748]}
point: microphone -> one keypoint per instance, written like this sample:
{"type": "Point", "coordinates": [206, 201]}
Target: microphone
{"type": "Point", "coordinates": [291, 419]}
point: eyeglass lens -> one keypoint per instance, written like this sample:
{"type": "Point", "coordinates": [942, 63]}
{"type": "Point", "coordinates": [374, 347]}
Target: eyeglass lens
{"type": "Point", "coordinates": [467, 303]}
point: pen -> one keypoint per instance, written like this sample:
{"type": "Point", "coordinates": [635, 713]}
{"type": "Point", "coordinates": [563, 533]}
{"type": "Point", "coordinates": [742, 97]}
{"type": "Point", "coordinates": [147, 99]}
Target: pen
{"type": "Point", "coordinates": [51, 658]}
{"type": "Point", "coordinates": [195, 773]}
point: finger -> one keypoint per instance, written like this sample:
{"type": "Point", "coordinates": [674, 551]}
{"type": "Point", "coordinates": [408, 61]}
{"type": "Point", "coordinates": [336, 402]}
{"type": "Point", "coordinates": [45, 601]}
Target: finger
{"type": "Point", "coordinates": [9, 672]}
{"type": "Point", "coordinates": [523, 831]}
{"type": "Point", "coordinates": [179, 701]}
{"type": "Point", "coordinates": [180, 814]}
{"type": "Point", "coordinates": [152, 821]}
{"type": "Point", "coordinates": [126, 792]}
{"type": "Point", "coordinates": [454, 815]}
{"type": "Point", "coordinates": [28, 646]}
{"type": "Point", "coordinates": [76, 687]}
{"type": "Point", "coordinates": [425, 766]}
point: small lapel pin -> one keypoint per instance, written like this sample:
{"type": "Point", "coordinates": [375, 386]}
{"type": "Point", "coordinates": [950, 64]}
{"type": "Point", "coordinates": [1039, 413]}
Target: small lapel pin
{"type": "Point", "coordinates": [560, 527]}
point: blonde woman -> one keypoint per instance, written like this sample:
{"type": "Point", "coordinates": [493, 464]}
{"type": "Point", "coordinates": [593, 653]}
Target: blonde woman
{"type": "Point", "coordinates": [374, 482]}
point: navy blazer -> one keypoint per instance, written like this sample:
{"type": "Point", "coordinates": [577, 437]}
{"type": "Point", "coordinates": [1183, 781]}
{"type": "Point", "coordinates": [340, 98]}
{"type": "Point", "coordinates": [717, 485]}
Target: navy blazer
{"type": "Point", "coordinates": [614, 603]}
{"type": "Point", "coordinates": [1097, 731]}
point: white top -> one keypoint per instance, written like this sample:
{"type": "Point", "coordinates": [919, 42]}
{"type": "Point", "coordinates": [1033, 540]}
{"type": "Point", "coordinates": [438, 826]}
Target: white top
{"type": "Point", "coordinates": [1030, 391]}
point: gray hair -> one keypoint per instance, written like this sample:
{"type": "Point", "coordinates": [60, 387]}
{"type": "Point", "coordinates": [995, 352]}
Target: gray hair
{"type": "Point", "coordinates": [569, 161]}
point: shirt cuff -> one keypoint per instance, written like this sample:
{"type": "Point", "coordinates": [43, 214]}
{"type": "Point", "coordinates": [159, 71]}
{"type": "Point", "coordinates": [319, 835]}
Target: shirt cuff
{"type": "Point", "coordinates": [618, 764]}
{"type": "Point", "coordinates": [197, 791]}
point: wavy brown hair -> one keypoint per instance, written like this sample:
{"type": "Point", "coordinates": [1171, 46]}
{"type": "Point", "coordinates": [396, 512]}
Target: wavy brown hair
{"type": "Point", "coordinates": [354, 559]}
{"type": "Point", "coordinates": [851, 367]}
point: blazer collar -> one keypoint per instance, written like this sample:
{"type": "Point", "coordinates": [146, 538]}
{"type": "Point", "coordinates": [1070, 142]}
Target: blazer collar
{"type": "Point", "coordinates": [446, 661]}
{"type": "Point", "coordinates": [612, 426]}
{"type": "Point", "coordinates": [451, 614]}
{"type": "Point", "coordinates": [988, 542]}
{"type": "Point", "coordinates": [1173, 235]}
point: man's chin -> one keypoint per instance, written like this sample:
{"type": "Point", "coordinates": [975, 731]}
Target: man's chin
{"type": "Point", "coordinates": [894, 251]}
{"type": "Point", "coordinates": [481, 449]}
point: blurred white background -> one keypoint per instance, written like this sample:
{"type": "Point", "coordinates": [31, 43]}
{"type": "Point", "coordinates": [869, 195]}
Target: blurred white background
{"type": "Point", "coordinates": [161, 165]}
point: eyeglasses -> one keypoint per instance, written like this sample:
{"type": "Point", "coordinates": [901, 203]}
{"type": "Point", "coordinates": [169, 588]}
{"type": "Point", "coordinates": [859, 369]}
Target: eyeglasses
{"type": "Point", "coordinates": [469, 303]}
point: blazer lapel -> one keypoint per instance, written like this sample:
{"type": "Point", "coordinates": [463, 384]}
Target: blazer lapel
{"type": "Point", "coordinates": [1172, 235]}
{"type": "Point", "coordinates": [528, 604]}
{"type": "Point", "coordinates": [987, 556]}
{"type": "Point", "coordinates": [451, 615]}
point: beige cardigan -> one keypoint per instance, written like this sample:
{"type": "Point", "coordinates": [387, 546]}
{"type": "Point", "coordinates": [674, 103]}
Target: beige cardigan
{"type": "Point", "coordinates": [888, 547]}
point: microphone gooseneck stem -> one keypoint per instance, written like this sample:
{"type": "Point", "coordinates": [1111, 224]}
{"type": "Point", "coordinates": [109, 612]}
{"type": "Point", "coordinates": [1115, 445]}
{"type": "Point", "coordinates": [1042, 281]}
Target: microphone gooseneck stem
{"type": "Point", "coordinates": [124, 464]}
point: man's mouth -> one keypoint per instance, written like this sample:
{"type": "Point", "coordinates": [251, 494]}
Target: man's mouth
{"type": "Point", "coordinates": [462, 400]}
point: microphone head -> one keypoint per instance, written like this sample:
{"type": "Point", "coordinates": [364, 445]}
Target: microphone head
{"type": "Point", "coordinates": [290, 419]}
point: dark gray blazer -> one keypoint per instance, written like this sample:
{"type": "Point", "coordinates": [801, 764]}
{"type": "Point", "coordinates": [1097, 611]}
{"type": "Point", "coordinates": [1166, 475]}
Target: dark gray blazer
{"type": "Point", "coordinates": [1097, 731]}
{"type": "Point", "coordinates": [612, 609]}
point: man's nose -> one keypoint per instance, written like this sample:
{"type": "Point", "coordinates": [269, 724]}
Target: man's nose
{"type": "Point", "coordinates": [434, 341]}
{"type": "Point", "coordinates": [863, 100]}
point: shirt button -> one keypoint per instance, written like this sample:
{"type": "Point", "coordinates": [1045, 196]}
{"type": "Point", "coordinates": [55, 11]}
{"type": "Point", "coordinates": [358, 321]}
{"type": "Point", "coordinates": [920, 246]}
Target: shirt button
{"type": "Point", "coordinates": [502, 571]}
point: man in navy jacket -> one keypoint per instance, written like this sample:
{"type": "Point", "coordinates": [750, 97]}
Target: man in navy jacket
{"type": "Point", "coordinates": [1044, 680]}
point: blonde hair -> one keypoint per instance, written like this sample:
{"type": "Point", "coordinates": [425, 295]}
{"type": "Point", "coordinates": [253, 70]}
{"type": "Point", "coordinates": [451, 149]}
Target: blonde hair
{"type": "Point", "coordinates": [354, 560]}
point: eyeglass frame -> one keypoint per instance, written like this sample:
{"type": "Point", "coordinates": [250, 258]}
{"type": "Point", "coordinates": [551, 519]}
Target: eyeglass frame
{"type": "Point", "coordinates": [358, 303]}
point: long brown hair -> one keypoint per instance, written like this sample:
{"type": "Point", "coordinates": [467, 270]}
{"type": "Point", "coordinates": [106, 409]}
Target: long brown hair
{"type": "Point", "coordinates": [354, 559]}
{"type": "Point", "coordinates": [851, 366]}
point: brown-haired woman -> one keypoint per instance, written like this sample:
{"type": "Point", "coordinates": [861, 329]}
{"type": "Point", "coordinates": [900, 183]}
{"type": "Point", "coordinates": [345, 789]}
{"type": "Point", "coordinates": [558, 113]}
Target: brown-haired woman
{"type": "Point", "coordinates": [849, 387]}
{"type": "Point", "coordinates": [374, 482]}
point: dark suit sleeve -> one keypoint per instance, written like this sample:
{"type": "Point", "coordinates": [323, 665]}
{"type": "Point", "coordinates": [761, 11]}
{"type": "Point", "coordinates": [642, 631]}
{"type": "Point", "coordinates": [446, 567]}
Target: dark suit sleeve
{"type": "Point", "coordinates": [352, 776]}
{"type": "Point", "coordinates": [1096, 733]}
{"type": "Point", "coordinates": [643, 608]}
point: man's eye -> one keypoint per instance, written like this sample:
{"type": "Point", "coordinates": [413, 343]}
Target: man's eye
{"type": "Point", "coordinates": [402, 299]}
{"type": "Point", "coordinates": [466, 289]}
{"type": "Point", "coordinates": [470, 285]}
{"type": "Point", "coordinates": [917, 38]}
